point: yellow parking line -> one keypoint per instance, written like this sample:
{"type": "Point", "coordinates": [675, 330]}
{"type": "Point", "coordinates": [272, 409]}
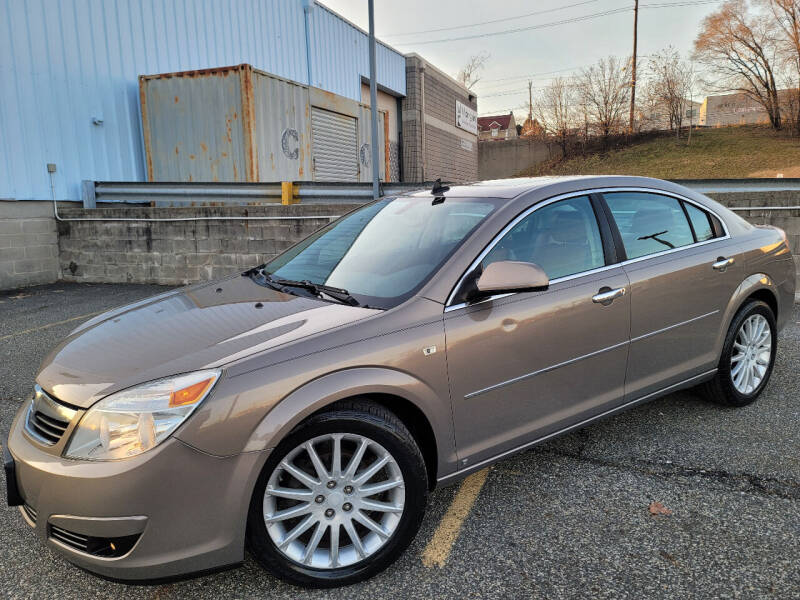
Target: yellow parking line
{"type": "Point", "coordinates": [5, 337]}
{"type": "Point", "coordinates": [446, 534]}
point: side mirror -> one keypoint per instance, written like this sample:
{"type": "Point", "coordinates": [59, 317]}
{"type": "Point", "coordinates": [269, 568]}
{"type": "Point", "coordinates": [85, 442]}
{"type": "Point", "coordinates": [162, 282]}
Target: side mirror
{"type": "Point", "coordinates": [507, 276]}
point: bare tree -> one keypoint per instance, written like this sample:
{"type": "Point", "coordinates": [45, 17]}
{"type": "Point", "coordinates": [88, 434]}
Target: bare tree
{"type": "Point", "coordinates": [669, 88]}
{"type": "Point", "coordinates": [741, 47]}
{"type": "Point", "coordinates": [604, 90]}
{"type": "Point", "coordinates": [786, 15]}
{"type": "Point", "coordinates": [469, 75]}
{"type": "Point", "coordinates": [554, 109]}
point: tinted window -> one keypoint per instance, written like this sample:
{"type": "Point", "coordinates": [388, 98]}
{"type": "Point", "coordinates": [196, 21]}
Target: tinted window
{"type": "Point", "coordinates": [383, 252]}
{"type": "Point", "coordinates": [701, 222]}
{"type": "Point", "coordinates": [562, 238]}
{"type": "Point", "coordinates": [649, 223]}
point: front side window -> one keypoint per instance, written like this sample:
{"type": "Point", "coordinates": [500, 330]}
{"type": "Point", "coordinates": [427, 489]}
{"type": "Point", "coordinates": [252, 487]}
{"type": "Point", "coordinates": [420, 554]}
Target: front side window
{"type": "Point", "coordinates": [563, 238]}
{"type": "Point", "coordinates": [385, 251]}
{"type": "Point", "coordinates": [649, 223]}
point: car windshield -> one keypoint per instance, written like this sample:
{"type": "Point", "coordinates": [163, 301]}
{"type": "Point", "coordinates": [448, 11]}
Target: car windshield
{"type": "Point", "coordinates": [385, 251]}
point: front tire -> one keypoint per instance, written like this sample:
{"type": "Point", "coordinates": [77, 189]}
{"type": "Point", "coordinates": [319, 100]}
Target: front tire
{"type": "Point", "coordinates": [339, 499]}
{"type": "Point", "coordinates": [748, 357]}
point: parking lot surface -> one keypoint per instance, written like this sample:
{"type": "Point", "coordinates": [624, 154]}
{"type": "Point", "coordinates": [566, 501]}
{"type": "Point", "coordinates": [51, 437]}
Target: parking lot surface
{"type": "Point", "coordinates": [568, 519]}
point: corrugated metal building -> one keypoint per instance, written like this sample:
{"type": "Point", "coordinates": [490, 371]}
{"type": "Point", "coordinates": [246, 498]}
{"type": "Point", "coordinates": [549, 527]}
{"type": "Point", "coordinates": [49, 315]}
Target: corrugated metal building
{"type": "Point", "coordinates": [68, 74]}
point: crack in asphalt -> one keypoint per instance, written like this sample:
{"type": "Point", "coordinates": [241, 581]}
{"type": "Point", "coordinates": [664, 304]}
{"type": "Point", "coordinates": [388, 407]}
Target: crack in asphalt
{"type": "Point", "coordinates": [787, 489]}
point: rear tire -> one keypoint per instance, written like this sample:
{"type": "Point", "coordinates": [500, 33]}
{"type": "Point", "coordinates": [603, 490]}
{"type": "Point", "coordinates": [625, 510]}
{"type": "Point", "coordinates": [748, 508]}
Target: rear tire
{"type": "Point", "coordinates": [748, 357]}
{"type": "Point", "coordinates": [333, 502]}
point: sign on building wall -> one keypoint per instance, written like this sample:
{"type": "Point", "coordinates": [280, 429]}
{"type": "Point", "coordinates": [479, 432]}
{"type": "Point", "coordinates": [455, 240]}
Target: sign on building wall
{"type": "Point", "coordinates": [466, 118]}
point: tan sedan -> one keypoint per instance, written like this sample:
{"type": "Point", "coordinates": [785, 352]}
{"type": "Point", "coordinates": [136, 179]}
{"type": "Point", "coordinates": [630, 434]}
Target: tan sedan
{"type": "Point", "coordinates": [305, 408]}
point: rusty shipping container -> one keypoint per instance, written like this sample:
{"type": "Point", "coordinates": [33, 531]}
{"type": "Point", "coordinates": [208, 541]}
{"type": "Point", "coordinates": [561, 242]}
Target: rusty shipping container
{"type": "Point", "coordinates": [241, 124]}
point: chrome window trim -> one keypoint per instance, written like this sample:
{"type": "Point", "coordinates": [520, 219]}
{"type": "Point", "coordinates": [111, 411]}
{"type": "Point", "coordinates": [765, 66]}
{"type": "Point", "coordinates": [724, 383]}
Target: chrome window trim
{"type": "Point", "coordinates": [450, 307]}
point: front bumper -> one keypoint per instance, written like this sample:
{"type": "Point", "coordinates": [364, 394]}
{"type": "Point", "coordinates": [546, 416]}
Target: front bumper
{"type": "Point", "coordinates": [183, 510]}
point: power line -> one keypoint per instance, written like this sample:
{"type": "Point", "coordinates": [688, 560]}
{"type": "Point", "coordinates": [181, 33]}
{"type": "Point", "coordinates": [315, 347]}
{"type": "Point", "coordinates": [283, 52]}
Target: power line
{"type": "Point", "coordinates": [538, 12]}
{"type": "Point", "coordinates": [561, 22]}
{"type": "Point", "coordinates": [521, 29]}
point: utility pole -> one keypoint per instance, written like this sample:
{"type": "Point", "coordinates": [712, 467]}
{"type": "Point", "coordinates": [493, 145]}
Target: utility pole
{"type": "Point", "coordinates": [633, 63]}
{"type": "Point", "coordinates": [373, 104]}
{"type": "Point", "coordinates": [530, 100]}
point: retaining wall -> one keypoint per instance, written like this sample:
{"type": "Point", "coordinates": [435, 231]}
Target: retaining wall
{"type": "Point", "coordinates": [497, 160]}
{"type": "Point", "coordinates": [28, 244]}
{"type": "Point", "coordinates": [34, 251]}
{"type": "Point", "coordinates": [180, 252]}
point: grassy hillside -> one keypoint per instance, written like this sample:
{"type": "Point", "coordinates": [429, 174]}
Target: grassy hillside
{"type": "Point", "coordinates": [729, 152]}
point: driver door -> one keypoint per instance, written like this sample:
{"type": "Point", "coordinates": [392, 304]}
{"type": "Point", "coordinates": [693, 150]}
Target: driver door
{"type": "Point", "coordinates": [524, 365]}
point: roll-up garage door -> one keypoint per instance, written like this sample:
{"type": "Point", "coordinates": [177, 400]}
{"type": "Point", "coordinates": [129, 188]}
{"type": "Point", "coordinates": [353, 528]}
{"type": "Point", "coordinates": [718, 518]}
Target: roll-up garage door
{"type": "Point", "coordinates": [335, 146]}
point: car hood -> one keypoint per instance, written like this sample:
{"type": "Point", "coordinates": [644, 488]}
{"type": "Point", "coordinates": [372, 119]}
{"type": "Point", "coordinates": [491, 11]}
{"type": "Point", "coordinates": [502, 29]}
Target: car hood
{"type": "Point", "coordinates": [203, 326]}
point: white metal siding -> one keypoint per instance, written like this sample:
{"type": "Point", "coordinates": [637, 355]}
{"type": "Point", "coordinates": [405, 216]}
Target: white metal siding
{"type": "Point", "coordinates": [335, 146]}
{"type": "Point", "coordinates": [65, 62]}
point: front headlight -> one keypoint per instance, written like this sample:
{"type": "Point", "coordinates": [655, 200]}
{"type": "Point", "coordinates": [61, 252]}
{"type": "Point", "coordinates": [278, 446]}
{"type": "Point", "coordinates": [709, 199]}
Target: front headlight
{"type": "Point", "coordinates": [137, 419]}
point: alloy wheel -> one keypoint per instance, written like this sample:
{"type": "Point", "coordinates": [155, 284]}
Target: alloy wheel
{"type": "Point", "coordinates": [334, 500]}
{"type": "Point", "coordinates": [752, 351]}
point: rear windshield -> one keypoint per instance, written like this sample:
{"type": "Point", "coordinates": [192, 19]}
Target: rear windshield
{"type": "Point", "coordinates": [385, 251]}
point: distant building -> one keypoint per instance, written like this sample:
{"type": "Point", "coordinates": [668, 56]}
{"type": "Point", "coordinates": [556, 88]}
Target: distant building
{"type": "Point", "coordinates": [497, 127]}
{"type": "Point", "coordinates": [656, 118]}
{"type": "Point", "coordinates": [733, 109]}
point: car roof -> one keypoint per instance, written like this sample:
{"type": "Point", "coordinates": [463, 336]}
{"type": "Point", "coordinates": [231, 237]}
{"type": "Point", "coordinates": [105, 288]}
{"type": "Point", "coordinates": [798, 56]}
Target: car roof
{"type": "Point", "coordinates": [511, 188]}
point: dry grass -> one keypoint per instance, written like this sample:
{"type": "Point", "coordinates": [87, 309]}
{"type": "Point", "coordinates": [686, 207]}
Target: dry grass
{"type": "Point", "coordinates": [729, 152]}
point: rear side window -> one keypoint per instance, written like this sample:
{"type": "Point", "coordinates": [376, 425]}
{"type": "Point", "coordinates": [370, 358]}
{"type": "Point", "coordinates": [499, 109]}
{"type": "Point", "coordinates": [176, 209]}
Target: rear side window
{"type": "Point", "coordinates": [563, 238]}
{"type": "Point", "coordinates": [649, 223]}
{"type": "Point", "coordinates": [701, 222]}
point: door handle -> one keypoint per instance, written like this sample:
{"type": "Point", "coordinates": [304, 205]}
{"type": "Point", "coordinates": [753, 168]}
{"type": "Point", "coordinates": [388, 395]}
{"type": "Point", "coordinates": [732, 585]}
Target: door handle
{"type": "Point", "coordinates": [606, 295]}
{"type": "Point", "coordinates": [722, 263]}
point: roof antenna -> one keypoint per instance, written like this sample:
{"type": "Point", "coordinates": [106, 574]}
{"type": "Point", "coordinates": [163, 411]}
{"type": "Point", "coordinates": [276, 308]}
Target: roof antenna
{"type": "Point", "coordinates": [438, 188]}
{"type": "Point", "coordinates": [438, 191]}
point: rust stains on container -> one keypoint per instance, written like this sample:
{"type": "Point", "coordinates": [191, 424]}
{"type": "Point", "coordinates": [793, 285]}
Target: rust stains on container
{"type": "Point", "coordinates": [250, 126]}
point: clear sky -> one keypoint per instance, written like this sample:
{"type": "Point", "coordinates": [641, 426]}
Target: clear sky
{"type": "Point", "coordinates": [535, 53]}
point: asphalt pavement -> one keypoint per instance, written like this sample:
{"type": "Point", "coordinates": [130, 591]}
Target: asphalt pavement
{"type": "Point", "coordinates": [568, 519]}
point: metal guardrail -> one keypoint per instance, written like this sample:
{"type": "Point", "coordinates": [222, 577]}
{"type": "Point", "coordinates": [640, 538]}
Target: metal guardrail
{"type": "Point", "coordinates": [217, 193]}
{"type": "Point", "coordinates": [720, 186]}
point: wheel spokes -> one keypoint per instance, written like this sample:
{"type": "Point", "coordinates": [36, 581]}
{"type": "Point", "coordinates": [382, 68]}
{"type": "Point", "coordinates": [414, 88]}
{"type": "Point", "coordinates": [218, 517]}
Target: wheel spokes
{"type": "Point", "coordinates": [322, 472]}
{"type": "Point", "coordinates": [346, 481]}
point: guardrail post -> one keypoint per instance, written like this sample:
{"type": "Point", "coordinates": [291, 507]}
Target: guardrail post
{"type": "Point", "coordinates": [88, 194]}
{"type": "Point", "coordinates": [289, 193]}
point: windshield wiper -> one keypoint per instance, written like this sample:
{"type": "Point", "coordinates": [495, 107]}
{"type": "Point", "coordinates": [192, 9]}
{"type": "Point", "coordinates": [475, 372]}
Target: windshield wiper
{"type": "Point", "coordinates": [317, 289]}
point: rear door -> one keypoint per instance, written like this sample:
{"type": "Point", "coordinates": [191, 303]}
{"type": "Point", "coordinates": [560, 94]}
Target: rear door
{"type": "Point", "coordinates": [525, 365]}
{"type": "Point", "coordinates": [683, 270]}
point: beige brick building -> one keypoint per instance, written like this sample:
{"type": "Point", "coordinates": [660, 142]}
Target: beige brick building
{"type": "Point", "coordinates": [732, 109]}
{"type": "Point", "coordinates": [440, 136]}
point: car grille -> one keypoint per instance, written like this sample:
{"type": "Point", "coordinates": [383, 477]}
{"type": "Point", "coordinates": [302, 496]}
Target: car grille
{"type": "Point", "coordinates": [48, 419]}
{"type": "Point", "coordinates": [48, 427]}
{"type": "Point", "coordinates": [71, 539]}
{"type": "Point", "coordinates": [30, 512]}
{"type": "Point", "coordinates": [105, 547]}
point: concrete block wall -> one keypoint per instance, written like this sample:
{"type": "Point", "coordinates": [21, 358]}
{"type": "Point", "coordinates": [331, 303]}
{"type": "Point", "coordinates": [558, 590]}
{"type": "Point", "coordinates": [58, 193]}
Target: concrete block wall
{"type": "Point", "coordinates": [181, 252]}
{"type": "Point", "coordinates": [497, 160]}
{"type": "Point", "coordinates": [28, 244]}
{"type": "Point", "coordinates": [433, 147]}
